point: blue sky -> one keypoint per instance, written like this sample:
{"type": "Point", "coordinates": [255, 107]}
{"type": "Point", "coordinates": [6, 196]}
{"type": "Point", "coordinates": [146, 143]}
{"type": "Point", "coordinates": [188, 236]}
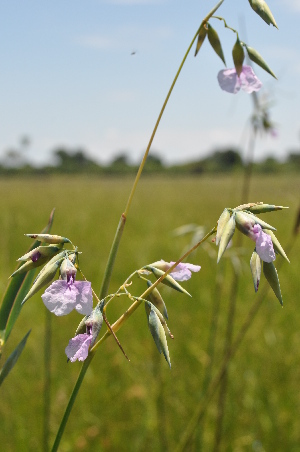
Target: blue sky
{"type": "Point", "coordinates": [68, 77]}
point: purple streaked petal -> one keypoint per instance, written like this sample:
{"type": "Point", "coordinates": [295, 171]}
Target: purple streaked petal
{"type": "Point", "coordinates": [182, 272]}
{"type": "Point", "coordinates": [61, 298]}
{"type": "Point", "coordinates": [229, 81]}
{"type": "Point", "coordinates": [264, 247]}
{"type": "Point", "coordinates": [249, 81]}
{"type": "Point", "coordinates": [78, 347]}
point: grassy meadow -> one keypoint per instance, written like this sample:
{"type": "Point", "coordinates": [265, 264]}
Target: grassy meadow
{"type": "Point", "coordinates": [142, 405]}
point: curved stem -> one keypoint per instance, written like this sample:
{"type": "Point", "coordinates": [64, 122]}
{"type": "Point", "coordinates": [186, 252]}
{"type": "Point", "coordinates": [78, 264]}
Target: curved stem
{"type": "Point", "coordinates": [119, 232]}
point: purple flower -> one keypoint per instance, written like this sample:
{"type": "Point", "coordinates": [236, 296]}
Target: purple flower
{"type": "Point", "coordinates": [229, 80]}
{"type": "Point", "coordinates": [182, 272]}
{"type": "Point", "coordinates": [264, 244]}
{"type": "Point", "coordinates": [63, 296]}
{"type": "Point", "coordinates": [78, 347]}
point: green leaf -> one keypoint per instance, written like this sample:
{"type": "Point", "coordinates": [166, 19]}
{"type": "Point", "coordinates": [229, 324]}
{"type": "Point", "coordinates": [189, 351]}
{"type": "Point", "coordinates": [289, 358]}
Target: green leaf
{"type": "Point", "coordinates": [215, 42]}
{"type": "Point", "coordinates": [271, 275]}
{"type": "Point", "coordinates": [13, 289]}
{"type": "Point", "coordinates": [201, 37]}
{"type": "Point", "coordinates": [258, 59]}
{"type": "Point", "coordinates": [158, 334]}
{"type": "Point", "coordinates": [12, 359]}
{"type": "Point", "coordinates": [263, 10]}
{"type": "Point", "coordinates": [238, 56]}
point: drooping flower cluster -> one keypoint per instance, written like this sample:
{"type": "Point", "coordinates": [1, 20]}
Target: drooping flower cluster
{"type": "Point", "coordinates": [267, 245]}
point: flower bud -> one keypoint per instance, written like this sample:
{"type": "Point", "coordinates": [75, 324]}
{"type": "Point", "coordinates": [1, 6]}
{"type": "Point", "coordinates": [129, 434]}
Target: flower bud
{"type": "Point", "coordinates": [68, 270]}
{"type": "Point", "coordinates": [41, 251]}
{"type": "Point", "coordinates": [238, 56]}
{"type": "Point", "coordinates": [48, 238]}
{"type": "Point", "coordinates": [156, 299]}
{"type": "Point", "coordinates": [255, 266]}
{"type": "Point", "coordinates": [227, 235]}
{"type": "Point", "coordinates": [222, 221]}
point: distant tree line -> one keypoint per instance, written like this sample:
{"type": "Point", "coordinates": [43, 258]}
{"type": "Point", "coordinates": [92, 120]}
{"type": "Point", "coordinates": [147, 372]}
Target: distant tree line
{"type": "Point", "coordinates": [68, 161]}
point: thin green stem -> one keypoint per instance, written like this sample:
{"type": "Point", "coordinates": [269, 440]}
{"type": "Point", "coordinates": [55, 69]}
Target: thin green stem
{"type": "Point", "coordinates": [119, 232]}
{"type": "Point", "coordinates": [72, 399]}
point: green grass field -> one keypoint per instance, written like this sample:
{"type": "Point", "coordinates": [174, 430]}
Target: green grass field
{"type": "Point", "coordinates": [142, 405]}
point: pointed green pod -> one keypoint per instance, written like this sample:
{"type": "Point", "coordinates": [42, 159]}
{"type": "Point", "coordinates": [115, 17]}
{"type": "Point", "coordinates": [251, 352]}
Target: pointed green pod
{"type": "Point", "coordinates": [201, 37]}
{"type": "Point", "coordinates": [238, 56]}
{"type": "Point", "coordinates": [42, 251]}
{"type": "Point", "coordinates": [263, 208]}
{"type": "Point", "coordinates": [47, 275]}
{"type": "Point", "coordinates": [48, 238]}
{"type": "Point", "coordinates": [158, 334]}
{"type": "Point", "coordinates": [277, 246]}
{"type": "Point", "coordinates": [215, 42]}
{"type": "Point", "coordinates": [263, 10]}
{"type": "Point", "coordinates": [226, 236]}
{"type": "Point", "coordinates": [148, 307]}
{"type": "Point", "coordinates": [222, 221]}
{"type": "Point", "coordinates": [255, 266]}
{"type": "Point", "coordinates": [271, 275]}
{"type": "Point", "coordinates": [54, 259]}
{"type": "Point", "coordinates": [168, 280]}
{"type": "Point", "coordinates": [156, 299]}
{"type": "Point", "coordinates": [258, 59]}
{"type": "Point", "coordinates": [29, 265]}
{"type": "Point", "coordinates": [257, 220]}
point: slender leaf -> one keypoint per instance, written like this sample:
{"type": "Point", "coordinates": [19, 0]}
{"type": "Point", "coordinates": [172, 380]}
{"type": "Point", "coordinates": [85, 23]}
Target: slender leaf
{"type": "Point", "coordinates": [12, 359]}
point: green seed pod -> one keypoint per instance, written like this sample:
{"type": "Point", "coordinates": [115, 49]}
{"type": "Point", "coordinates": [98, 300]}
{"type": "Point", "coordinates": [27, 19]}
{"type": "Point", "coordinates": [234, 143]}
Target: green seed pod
{"type": "Point", "coordinates": [271, 275]}
{"type": "Point", "coordinates": [222, 221]}
{"type": "Point", "coordinates": [262, 9]}
{"type": "Point", "coordinates": [262, 223]}
{"type": "Point", "coordinates": [43, 251]}
{"type": "Point", "coordinates": [263, 208]}
{"type": "Point", "coordinates": [158, 334]}
{"type": "Point", "coordinates": [168, 280]}
{"type": "Point", "coordinates": [238, 56]}
{"type": "Point", "coordinates": [156, 299]}
{"type": "Point", "coordinates": [255, 266]}
{"type": "Point", "coordinates": [54, 259]}
{"type": "Point", "coordinates": [148, 307]}
{"type": "Point", "coordinates": [47, 276]}
{"type": "Point", "coordinates": [277, 246]}
{"type": "Point", "coordinates": [29, 265]}
{"type": "Point", "coordinates": [201, 37]}
{"type": "Point", "coordinates": [215, 42]}
{"type": "Point", "coordinates": [258, 59]}
{"type": "Point", "coordinates": [48, 238]}
{"type": "Point", "coordinates": [226, 236]}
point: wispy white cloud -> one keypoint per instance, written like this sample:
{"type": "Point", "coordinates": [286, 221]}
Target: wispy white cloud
{"type": "Point", "coordinates": [96, 42]}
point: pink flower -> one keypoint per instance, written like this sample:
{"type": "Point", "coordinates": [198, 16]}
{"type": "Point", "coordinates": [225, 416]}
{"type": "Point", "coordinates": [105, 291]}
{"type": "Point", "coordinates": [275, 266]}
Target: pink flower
{"type": "Point", "coordinates": [63, 296]}
{"type": "Point", "coordinates": [264, 245]}
{"type": "Point", "coordinates": [229, 80]}
{"type": "Point", "coordinates": [182, 272]}
{"type": "Point", "coordinates": [78, 347]}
